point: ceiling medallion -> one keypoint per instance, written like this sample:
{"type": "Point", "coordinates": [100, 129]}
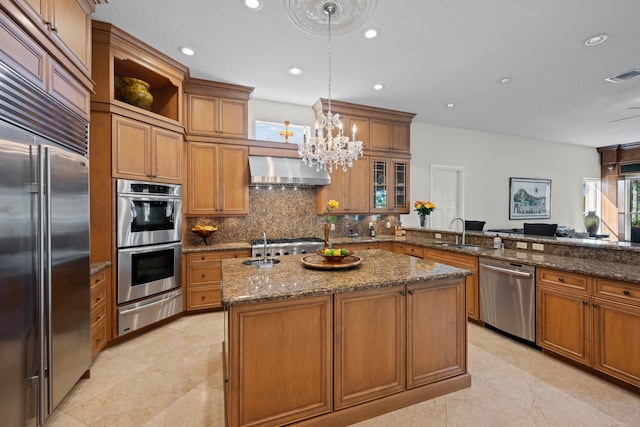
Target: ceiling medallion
{"type": "Point", "coordinates": [310, 15]}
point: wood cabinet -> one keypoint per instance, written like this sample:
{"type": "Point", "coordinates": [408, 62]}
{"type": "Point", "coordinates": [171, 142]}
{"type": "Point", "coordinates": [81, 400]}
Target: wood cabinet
{"type": "Point", "coordinates": [202, 278]}
{"type": "Point", "coordinates": [144, 152]}
{"type": "Point", "coordinates": [216, 109]}
{"type": "Point", "coordinates": [593, 321]}
{"type": "Point", "coordinates": [99, 310]}
{"type": "Point", "coordinates": [388, 135]}
{"type": "Point", "coordinates": [467, 262]}
{"type": "Point", "coordinates": [358, 246]}
{"type": "Point", "coordinates": [67, 23]}
{"type": "Point", "coordinates": [369, 345]}
{"type": "Point", "coordinates": [217, 179]}
{"type": "Point", "coordinates": [408, 249]}
{"type": "Point", "coordinates": [350, 189]}
{"type": "Point", "coordinates": [286, 354]}
{"type": "Point", "coordinates": [389, 185]}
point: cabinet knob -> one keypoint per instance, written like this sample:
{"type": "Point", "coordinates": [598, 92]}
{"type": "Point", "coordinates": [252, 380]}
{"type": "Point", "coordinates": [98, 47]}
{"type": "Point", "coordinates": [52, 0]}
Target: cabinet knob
{"type": "Point", "coordinates": [98, 299]}
{"type": "Point", "coordinates": [561, 279]}
{"type": "Point", "coordinates": [411, 292]}
{"type": "Point", "coordinates": [202, 258]}
{"type": "Point", "coordinates": [203, 275]}
{"type": "Point", "coordinates": [403, 293]}
{"type": "Point", "coordinates": [98, 340]}
{"type": "Point", "coordinates": [595, 305]}
{"type": "Point", "coordinates": [203, 298]}
{"type": "Point", "coordinates": [626, 292]}
{"type": "Point", "coordinates": [585, 302]}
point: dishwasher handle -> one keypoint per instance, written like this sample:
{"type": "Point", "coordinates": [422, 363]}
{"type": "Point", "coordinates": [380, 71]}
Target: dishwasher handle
{"type": "Point", "coordinates": [507, 270]}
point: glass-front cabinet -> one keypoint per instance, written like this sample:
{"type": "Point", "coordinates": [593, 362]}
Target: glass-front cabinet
{"type": "Point", "coordinates": [390, 185]}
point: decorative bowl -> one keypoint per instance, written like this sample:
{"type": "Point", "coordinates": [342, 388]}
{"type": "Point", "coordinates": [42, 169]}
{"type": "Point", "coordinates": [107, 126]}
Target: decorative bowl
{"type": "Point", "coordinates": [334, 258]}
{"type": "Point", "coordinates": [204, 231]}
{"type": "Point", "coordinates": [135, 92]}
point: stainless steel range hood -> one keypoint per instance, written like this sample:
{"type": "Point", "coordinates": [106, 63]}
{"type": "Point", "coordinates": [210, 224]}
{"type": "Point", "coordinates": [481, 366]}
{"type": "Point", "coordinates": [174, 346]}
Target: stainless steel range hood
{"type": "Point", "coordinates": [285, 171]}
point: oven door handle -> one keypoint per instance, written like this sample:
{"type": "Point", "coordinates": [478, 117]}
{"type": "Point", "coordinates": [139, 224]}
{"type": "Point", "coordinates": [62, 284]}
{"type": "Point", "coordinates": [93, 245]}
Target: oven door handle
{"type": "Point", "coordinates": [506, 270]}
{"type": "Point", "coordinates": [148, 197]}
{"type": "Point", "coordinates": [145, 249]}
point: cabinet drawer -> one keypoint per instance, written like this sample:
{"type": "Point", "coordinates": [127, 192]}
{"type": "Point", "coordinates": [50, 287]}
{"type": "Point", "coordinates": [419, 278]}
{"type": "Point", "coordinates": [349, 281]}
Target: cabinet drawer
{"type": "Point", "coordinates": [215, 256]}
{"type": "Point", "coordinates": [98, 278]}
{"type": "Point", "coordinates": [357, 246]}
{"type": "Point", "coordinates": [620, 291]}
{"type": "Point", "coordinates": [98, 337]}
{"type": "Point", "coordinates": [98, 313]}
{"type": "Point", "coordinates": [416, 251]}
{"type": "Point", "coordinates": [562, 279]}
{"type": "Point", "coordinates": [98, 292]}
{"type": "Point", "coordinates": [468, 262]}
{"type": "Point", "coordinates": [203, 297]}
{"type": "Point", "coordinates": [203, 275]}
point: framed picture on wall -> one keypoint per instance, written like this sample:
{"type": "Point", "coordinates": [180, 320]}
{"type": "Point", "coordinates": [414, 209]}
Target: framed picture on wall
{"type": "Point", "coordinates": [529, 198]}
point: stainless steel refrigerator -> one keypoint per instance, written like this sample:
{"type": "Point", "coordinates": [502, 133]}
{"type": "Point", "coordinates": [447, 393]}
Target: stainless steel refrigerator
{"type": "Point", "coordinates": [45, 344]}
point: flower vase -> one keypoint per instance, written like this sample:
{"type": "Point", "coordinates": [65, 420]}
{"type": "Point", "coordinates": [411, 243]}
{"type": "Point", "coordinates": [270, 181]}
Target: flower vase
{"type": "Point", "coordinates": [591, 223]}
{"type": "Point", "coordinates": [423, 220]}
{"type": "Point", "coordinates": [326, 235]}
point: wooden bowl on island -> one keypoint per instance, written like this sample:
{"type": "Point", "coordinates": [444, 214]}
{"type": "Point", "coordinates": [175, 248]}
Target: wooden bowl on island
{"type": "Point", "coordinates": [334, 255]}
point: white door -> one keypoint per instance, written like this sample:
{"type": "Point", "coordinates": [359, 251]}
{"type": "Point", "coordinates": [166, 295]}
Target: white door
{"type": "Point", "coordinates": [447, 192]}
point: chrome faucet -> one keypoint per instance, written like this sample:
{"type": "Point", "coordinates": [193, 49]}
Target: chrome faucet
{"type": "Point", "coordinates": [463, 230]}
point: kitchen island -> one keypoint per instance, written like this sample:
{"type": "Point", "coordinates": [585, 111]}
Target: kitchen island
{"type": "Point", "coordinates": [311, 346]}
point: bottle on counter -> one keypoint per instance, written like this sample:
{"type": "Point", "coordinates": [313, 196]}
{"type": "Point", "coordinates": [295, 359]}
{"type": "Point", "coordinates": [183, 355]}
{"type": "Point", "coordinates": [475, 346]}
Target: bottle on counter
{"type": "Point", "coordinates": [497, 242]}
{"type": "Point", "coordinates": [372, 232]}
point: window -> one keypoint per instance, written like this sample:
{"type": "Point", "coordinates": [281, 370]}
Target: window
{"type": "Point", "coordinates": [270, 131]}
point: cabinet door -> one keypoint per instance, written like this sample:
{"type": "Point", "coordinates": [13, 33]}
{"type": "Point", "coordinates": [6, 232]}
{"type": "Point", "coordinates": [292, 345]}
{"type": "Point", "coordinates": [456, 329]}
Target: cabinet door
{"type": "Point", "coordinates": [72, 22]}
{"type": "Point", "coordinates": [379, 196]}
{"type": "Point", "coordinates": [234, 180]}
{"type": "Point", "coordinates": [400, 186]}
{"type": "Point", "coordinates": [283, 373]}
{"type": "Point", "coordinates": [362, 129]}
{"type": "Point", "coordinates": [436, 332]}
{"type": "Point", "coordinates": [369, 355]}
{"type": "Point", "coordinates": [617, 340]}
{"type": "Point", "coordinates": [358, 186]}
{"type": "Point", "coordinates": [564, 322]}
{"type": "Point", "coordinates": [202, 115]}
{"type": "Point", "coordinates": [400, 137]}
{"type": "Point", "coordinates": [131, 149]}
{"type": "Point", "coordinates": [379, 134]}
{"type": "Point", "coordinates": [167, 156]}
{"type": "Point", "coordinates": [202, 178]}
{"type": "Point", "coordinates": [233, 118]}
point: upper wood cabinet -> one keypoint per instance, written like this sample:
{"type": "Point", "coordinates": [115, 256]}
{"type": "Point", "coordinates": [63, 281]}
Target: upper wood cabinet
{"type": "Point", "coordinates": [389, 183]}
{"type": "Point", "coordinates": [217, 179]}
{"type": "Point", "coordinates": [379, 129]}
{"type": "Point", "coordinates": [146, 153]}
{"type": "Point", "coordinates": [216, 109]}
{"type": "Point", "coordinates": [67, 23]}
{"type": "Point", "coordinates": [350, 189]}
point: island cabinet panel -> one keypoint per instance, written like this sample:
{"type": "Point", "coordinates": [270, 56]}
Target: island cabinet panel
{"type": "Point", "coordinates": [436, 332]}
{"type": "Point", "coordinates": [369, 345]}
{"type": "Point", "coordinates": [468, 262]}
{"type": "Point", "coordinates": [280, 365]}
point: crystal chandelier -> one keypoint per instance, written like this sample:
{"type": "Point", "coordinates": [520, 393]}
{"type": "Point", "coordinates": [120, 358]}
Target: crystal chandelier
{"type": "Point", "coordinates": [328, 148]}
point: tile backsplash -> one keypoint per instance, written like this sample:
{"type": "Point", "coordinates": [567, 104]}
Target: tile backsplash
{"type": "Point", "coordinates": [284, 213]}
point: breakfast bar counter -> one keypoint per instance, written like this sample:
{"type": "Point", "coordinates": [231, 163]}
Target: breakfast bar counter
{"type": "Point", "coordinates": [317, 346]}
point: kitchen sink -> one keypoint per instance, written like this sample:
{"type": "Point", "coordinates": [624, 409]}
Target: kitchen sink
{"type": "Point", "coordinates": [261, 262]}
{"type": "Point", "coordinates": [465, 247]}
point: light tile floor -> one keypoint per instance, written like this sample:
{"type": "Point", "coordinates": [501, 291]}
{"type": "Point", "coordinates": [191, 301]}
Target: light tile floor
{"type": "Point", "coordinates": [172, 376]}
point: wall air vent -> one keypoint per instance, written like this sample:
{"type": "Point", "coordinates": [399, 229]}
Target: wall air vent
{"type": "Point", "coordinates": [624, 76]}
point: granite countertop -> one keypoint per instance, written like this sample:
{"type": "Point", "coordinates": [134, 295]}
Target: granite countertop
{"type": "Point", "coordinates": [242, 284]}
{"type": "Point", "coordinates": [98, 266]}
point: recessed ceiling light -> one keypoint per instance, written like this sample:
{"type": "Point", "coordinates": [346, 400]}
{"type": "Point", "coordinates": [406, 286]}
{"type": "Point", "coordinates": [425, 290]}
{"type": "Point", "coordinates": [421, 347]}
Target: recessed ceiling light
{"type": "Point", "coordinates": [378, 86]}
{"type": "Point", "coordinates": [371, 33]}
{"type": "Point", "coordinates": [449, 105]}
{"type": "Point", "coordinates": [253, 4]}
{"type": "Point", "coordinates": [294, 71]}
{"type": "Point", "coordinates": [187, 50]}
{"type": "Point", "coordinates": [597, 39]}
{"type": "Point", "coordinates": [504, 80]}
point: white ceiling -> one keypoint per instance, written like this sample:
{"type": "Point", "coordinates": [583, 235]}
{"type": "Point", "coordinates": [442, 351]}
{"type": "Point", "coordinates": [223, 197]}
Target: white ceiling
{"type": "Point", "coordinates": [428, 53]}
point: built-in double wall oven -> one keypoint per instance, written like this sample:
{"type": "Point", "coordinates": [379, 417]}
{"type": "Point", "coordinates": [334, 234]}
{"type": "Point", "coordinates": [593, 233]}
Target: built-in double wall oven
{"type": "Point", "coordinates": [149, 264]}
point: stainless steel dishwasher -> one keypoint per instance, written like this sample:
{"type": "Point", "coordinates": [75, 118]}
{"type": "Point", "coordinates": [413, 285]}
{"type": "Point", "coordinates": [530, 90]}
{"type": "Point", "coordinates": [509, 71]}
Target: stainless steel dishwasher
{"type": "Point", "coordinates": [508, 297]}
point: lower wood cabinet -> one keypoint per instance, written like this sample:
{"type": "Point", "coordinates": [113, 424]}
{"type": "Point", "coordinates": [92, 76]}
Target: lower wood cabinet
{"type": "Point", "coordinates": [593, 321]}
{"type": "Point", "coordinates": [99, 310]}
{"type": "Point", "coordinates": [202, 281]}
{"type": "Point", "coordinates": [281, 365]}
{"type": "Point", "coordinates": [408, 249]}
{"type": "Point", "coordinates": [467, 262]}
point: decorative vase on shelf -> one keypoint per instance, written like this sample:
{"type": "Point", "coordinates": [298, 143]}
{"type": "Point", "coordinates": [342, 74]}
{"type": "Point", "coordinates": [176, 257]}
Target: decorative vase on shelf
{"type": "Point", "coordinates": [591, 223]}
{"type": "Point", "coordinates": [326, 235]}
{"type": "Point", "coordinates": [135, 92]}
{"type": "Point", "coordinates": [423, 220]}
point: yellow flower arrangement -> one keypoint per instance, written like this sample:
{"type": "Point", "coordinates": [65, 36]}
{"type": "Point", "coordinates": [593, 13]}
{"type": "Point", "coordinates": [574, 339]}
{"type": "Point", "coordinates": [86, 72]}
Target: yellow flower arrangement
{"type": "Point", "coordinates": [424, 208]}
{"type": "Point", "coordinates": [331, 204]}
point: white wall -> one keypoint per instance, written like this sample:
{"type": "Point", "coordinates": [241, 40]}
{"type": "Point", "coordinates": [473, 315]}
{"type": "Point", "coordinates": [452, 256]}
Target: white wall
{"type": "Point", "coordinates": [488, 160]}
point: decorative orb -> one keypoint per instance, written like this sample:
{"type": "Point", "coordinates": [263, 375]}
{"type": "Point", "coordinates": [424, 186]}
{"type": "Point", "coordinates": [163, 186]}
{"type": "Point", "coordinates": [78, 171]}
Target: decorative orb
{"type": "Point", "coordinates": [135, 92]}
